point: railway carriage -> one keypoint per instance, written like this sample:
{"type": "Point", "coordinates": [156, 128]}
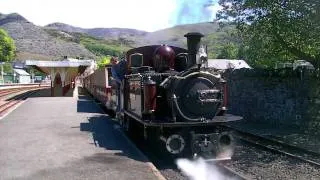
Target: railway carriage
{"type": "Point", "coordinates": [171, 98]}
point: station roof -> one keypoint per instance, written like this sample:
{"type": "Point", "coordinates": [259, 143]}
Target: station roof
{"type": "Point", "coordinates": [21, 72]}
{"type": "Point", "coordinates": [69, 63]}
{"type": "Point", "coordinates": [228, 64]}
{"type": "Point", "coordinates": [64, 63]}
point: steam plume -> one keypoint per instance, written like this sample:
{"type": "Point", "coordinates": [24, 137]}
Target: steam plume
{"type": "Point", "coordinates": [194, 11]}
{"type": "Point", "coordinates": [199, 170]}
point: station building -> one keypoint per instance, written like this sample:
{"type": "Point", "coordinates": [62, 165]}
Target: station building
{"type": "Point", "coordinates": [63, 73]}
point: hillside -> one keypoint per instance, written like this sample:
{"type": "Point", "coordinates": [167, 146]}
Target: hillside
{"type": "Point", "coordinates": [130, 35]}
{"type": "Point", "coordinates": [33, 42]}
{"type": "Point", "coordinates": [215, 37]}
{"type": "Point", "coordinates": [175, 35]}
{"type": "Point", "coordinates": [172, 36]}
{"type": "Point", "coordinates": [57, 39]}
{"type": "Point", "coordinates": [98, 46]}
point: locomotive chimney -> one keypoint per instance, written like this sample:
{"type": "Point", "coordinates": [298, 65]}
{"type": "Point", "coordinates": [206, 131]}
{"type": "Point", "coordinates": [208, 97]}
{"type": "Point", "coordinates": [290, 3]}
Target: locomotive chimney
{"type": "Point", "coordinates": [193, 42]}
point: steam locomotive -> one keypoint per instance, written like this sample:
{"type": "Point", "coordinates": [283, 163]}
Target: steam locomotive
{"type": "Point", "coordinates": [170, 97]}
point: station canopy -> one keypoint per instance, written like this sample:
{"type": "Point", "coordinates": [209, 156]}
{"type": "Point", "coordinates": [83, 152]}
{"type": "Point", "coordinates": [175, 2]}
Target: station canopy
{"type": "Point", "coordinates": [67, 68]}
{"type": "Point", "coordinates": [46, 66]}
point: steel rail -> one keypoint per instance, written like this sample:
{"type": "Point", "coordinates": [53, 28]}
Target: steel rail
{"type": "Point", "coordinates": [278, 147]}
{"type": "Point", "coordinates": [230, 172]}
{"type": "Point", "coordinates": [9, 104]}
{"type": "Point", "coordinates": [7, 92]}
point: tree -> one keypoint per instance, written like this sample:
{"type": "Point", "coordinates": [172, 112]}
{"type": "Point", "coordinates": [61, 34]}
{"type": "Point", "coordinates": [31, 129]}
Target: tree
{"type": "Point", "coordinates": [102, 61]}
{"type": "Point", "coordinates": [7, 47]}
{"type": "Point", "coordinates": [276, 30]}
{"type": "Point", "coordinates": [229, 51]}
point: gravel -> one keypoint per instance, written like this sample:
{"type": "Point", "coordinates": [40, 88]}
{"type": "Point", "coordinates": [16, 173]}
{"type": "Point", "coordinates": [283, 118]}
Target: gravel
{"type": "Point", "coordinates": [260, 164]}
{"type": "Point", "coordinates": [251, 162]}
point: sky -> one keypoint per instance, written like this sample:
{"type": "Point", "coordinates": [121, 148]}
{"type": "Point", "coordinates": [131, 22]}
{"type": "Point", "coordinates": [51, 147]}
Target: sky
{"type": "Point", "coordinates": [148, 15]}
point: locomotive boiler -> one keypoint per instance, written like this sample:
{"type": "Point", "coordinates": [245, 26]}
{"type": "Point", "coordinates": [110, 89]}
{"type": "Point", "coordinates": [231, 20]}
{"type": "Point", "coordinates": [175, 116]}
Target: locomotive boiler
{"type": "Point", "coordinates": [169, 94]}
{"type": "Point", "coordinates": [171, 98]}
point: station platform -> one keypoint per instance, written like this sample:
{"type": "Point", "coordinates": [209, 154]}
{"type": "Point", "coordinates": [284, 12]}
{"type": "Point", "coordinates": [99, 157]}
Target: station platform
{"type": "Point", "coordinates": [67, 138]}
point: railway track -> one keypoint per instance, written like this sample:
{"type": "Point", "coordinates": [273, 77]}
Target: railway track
{"type": "Point", "coordinates": [6, 105]}
{"type": "Point", "coordinates": [278, 147]}
{"type": "Point", "coordinates": [4, 93]}
{"type": "Point", "coordinates": [233, 174]}
{"type": "Point", "coordinates": [170, 169]}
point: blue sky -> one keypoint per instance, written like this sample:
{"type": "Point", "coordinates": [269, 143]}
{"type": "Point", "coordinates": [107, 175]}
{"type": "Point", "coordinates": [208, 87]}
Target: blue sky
{"type": "Point", "coordinates": [148, 15]}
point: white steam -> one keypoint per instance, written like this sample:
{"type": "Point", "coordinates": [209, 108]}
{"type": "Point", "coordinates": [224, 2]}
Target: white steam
{"type": "Point", "coordinates": [200, 170]}
{"type": "Point", "coordinates": [226, 154]}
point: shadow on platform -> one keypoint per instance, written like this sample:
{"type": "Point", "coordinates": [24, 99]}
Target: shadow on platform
{"type": "Point", "coordinates": [86, 105]}
{"type": "Point", "coordinates": [106, 134]}
{"type": "Point", "coordinates": [86, 101]}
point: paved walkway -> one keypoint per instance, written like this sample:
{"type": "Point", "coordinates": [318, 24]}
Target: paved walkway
{"type": "Point", "coordinates": [66, 138]}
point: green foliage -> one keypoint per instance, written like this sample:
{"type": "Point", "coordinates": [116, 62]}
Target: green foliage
{"type": "Point", "coordinates": [102, 47]}
{"type": "Point", "coordinates": [7, 68]}
{"type": "Point", "coordinates": [98, 46]}
{"type": "Point", "coordinates": [274, 31]}
{"type": "Point", "coordinates": [228, 51]}
{"type": "Point", "coordinates": [102, 61]}
{"type": "Point", "coordinates": [65, 36]}
{"type": "Point", "coordinates": [223, 44]}
{"type": "Point", "coordinates": [7, 47]}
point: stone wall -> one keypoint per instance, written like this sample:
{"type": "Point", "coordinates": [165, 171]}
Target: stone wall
{"type": "Point", "coordinates": [279, 97]}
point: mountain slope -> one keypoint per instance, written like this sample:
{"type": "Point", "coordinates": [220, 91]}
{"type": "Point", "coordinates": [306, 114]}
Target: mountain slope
{"type": "Point", "coordinates": [33, 42]}
{"type": "Point", "coordinates": [56, 40]}
{"type": "Point", "coordinates": [175, 35]}
{"type": "Point", "coordinates": [130, 35]}
{"type": "Point", "coordinates": [133, 38]}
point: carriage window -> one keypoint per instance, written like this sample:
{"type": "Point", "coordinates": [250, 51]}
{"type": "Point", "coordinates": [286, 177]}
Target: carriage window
{"type": "Point", "coordinates": [136, 60]}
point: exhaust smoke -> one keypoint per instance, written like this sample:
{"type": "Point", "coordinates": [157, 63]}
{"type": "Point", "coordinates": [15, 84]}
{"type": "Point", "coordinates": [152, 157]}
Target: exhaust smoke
{"type": "Point", "coordinates": [194, 11]}
{"type": "Point", "coordinates": [201, 169]}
